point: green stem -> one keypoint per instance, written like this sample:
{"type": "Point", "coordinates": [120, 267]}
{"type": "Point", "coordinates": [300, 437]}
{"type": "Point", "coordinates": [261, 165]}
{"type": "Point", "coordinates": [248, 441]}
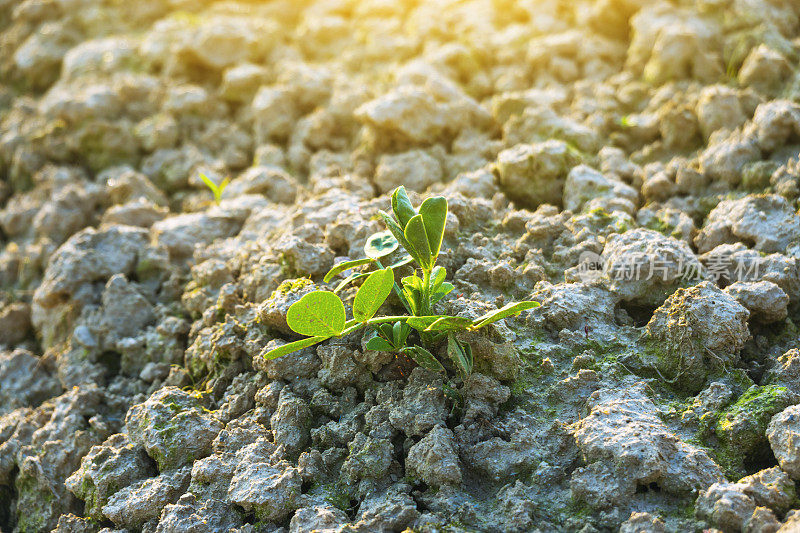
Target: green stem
{"type": "Point", "coordinates": [426, 292]}
{"type": "Point", "coordinates": [426, 338]}
{"type": "Point", "coordinates": [350, 327]}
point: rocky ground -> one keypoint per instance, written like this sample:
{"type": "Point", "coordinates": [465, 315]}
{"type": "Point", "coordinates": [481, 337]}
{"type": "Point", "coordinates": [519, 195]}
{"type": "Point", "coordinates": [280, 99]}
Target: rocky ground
{"type": "Point", "coordinates": [630, 164]}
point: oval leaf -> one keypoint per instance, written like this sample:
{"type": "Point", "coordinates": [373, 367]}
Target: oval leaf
{"type": "Point", "coordinates": [412, 282]}
{"type": "Point", "coordinates": [461, 355]}
{"type": "Point", "coordinates": [434, 217]}
{"type": "Point", "coordinates": [345, 265]}
{"type": "Point", "coordinates": [350, 279]}
{"type": "Point", "coordinates": [401, 205]}
{"type": "Point", "coordinates": [416, 237]}
{"type": "Point", "coordinates": [380, 244]}
{"type": "Point", "coordinates": [317, 314]}
{"type": "Point", "coordinates": [372, 294]}
{"type": "Point", "coordinates": [396, 230]}
{"type": "Point", "coordinates": [505, 311]}
{"type": "Point", "coordinates": [450, 323]}
{"type": "Point", "coordinates": [403, 262]}
{"type": "Point", "coordinates": [423, 358]}
{"type": "Point", "coordinates": [441, 292]}
{"type": "Point", "coordinates": [379, 344]}
{"type": "Point", "coordinates": [437, 277]}
{"type": "Point", "coordinates": [291, 347]}
{"type": "Point", "coordinates": [421, 323]}
{"type": "Point", "coordinates": [400, 333]}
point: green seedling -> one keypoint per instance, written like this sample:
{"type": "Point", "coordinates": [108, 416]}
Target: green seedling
{"type": "Point", "coordinates": [320, 315]}
{"type": "Point", "coordinates": [216, 189]}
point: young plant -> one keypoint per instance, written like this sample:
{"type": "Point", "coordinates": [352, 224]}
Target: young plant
{"type": "Point", "coordinates": [216, 189]}
{"type": "Point", "coordinates": [321, 315]}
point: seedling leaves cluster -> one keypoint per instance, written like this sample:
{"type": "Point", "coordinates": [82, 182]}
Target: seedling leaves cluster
{"type": "Point", "coordinates": [321, 315]}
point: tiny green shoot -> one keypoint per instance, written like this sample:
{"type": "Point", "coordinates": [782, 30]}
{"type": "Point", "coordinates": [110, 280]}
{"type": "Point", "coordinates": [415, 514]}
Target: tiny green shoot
{"type": "Point", "coordinates": [215, 189]}
{"type": "Point", "coordinates": [320, 315]}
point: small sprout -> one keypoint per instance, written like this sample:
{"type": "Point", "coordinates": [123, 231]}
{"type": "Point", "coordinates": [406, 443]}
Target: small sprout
{"type": "Point", "coordinates": [320, 315]}
{"type": "Point", "coordinates": [389, 337]}
{"type": "Point", "coordinates": [216, 189]}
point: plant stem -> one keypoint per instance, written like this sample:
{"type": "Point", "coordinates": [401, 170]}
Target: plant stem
{"type": "Point", "coordinates": [426, 338]}
{"type": "Point", "coordinates": [426, 292]}
{"type": "Point", "coordinates": [350, 327]}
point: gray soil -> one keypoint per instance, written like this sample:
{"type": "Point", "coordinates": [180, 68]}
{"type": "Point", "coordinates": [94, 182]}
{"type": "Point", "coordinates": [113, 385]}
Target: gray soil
{"type": "Point", "coordinates": [657, 141]}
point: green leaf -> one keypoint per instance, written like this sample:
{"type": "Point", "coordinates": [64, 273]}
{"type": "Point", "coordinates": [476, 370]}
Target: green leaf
{"type": "Point", "coordinates": [317, 314]}
{"type": "Point", "coordinates": [345, 265]}
{"type": "Point", "coordinates": [417, 239]}
{"type": "Point", "coordinates": [397, 231]}
{"type": "Point", "coordinates": [412, 282]}
{"type": "Point", "coordinates": [385, 330]}
{"type": "Point", "coordinates": [400, 333]}
{"type": "Point", "coordinates": [423, 358]}
{"type": "Point", "coordinates": [372, 294]}
{"type": "Point", "coordinates": [401, 205]}
{"type": "Point", "coordinates": [215, 189]}
{"type": "Point", "coordinates": [349, 279]}
{"type": "Point", "coordinates": [209, 183]}
{"type": "Point", "coordinates": [450, 323]}
{"type": "Point", "coordinates": [380, 244]}
{"type": "Point", "coordinates": [505, 311]}
{"type": "Point", "coordinates": [434, 217]}
{"type": "Point", "coordinates": [224, 185]}
{"type": "Point", "coordinates": [437, 277]}
{"type": "Point", "coordinates": [295, 346]}
{"type": "Point", "coordinates": [461, 355]}
{"type": "Point", "coordinates": [379, 344]}
{"type": "Point", "coordinates": [412, 298]}
{"type": "Point", "coordinates": [441, 292]}
{"type": "Point", "coordinates": [421, 323]}
{"type": "Point", "coordinates": [412, 291]}
{"type": "Point", "coordinates": [403, 262]}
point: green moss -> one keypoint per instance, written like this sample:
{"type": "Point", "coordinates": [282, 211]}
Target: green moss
{"type": "Point", "coordinates": [741, 427]}
{"type": "Point", "coordinates": [34, 506]}
{"type": "Point", "coordinates": [737, 378]}
{"type": "Point", "coordinates": [573, 509]}
{"type": "Point", "coordinates": [147, 268]}
{"type": "Point", "coordinates": [104, 144]}
{"type": "Point", "coordinates": [755, 176]}
{"type": "Point", "coordinates": [678, 364]}
{"type": "Point", "coordinates": [337, 496]}
{"type": "Point", "coordinates": [523, 384]}
{"type": "Point", "coordinates": [661, 226]}
{"type": "Point", "coordinates": [290, 285]}
{"type": "Point", "coordinates": [603, 221]}
{"type": "Point", "coordinates": [757, 405]}
{"type": "Point", "coordinates": [173, 451]}
{"type": "Point", "coordinates": [601, 213]}
{"type": "Point", "coordinates": [88, 493]}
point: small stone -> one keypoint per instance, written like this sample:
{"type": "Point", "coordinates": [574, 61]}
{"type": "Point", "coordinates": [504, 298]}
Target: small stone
{"type": "Point", "coordinates": [434, 459]}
